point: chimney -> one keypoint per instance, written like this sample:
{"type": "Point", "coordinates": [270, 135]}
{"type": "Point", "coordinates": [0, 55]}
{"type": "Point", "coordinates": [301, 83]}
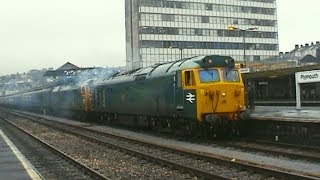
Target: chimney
{"type": "Point", "coordinates": [312, 44]}
{"type": "Point", "coordinates": [317, 42]}
{"type": "Point", "coordinates": [296, 47]}
{"type": "Point", "coordinates": [306, 45]}
{"type": "Point", "coordinates": [287, 52]}
{"type": "Point", "coordinates": [301, 46]}
{"type": "Point", "coordinates": [280, 53]}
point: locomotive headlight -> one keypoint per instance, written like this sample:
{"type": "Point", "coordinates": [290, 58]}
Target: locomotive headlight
{"type": "Point", "coordinates": [223, 94]}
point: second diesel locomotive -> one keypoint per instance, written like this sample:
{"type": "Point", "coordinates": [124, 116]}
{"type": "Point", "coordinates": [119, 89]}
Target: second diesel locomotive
{"type": "Point", "coordinates": [199, 93]}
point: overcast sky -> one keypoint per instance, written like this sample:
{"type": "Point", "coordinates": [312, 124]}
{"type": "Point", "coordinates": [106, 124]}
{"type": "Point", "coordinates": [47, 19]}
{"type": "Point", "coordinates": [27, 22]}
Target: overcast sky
{"type": "Point", "coordinates": [36, 34]}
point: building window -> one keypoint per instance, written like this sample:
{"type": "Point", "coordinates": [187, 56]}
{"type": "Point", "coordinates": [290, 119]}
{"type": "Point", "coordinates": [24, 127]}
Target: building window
{"type": "Point", "coordinates": [205, 19]}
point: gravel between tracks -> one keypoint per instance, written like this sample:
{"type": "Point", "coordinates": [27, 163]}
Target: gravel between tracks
{"type": "Point", "coordinates": [110, 162]}
{"type": "Point", "coordinates": [304, 168]}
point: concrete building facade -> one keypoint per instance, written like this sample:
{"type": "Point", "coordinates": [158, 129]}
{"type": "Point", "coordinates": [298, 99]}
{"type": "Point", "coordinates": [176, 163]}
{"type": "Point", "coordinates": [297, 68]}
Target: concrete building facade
{"type": "Point", "coordinates": [166, 30]}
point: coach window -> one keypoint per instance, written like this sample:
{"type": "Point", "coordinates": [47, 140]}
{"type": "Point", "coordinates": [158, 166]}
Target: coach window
{"type": "Point", "coordinates": [179, 79]}
{"type": "Point", "coordinates": [75, 100]}
{"type": "Point", "coordinates": [189, 78]}
{"type": "Point", "coordinates": [103, 94]}
{"type": "Point", "coordinates": [99, 98]}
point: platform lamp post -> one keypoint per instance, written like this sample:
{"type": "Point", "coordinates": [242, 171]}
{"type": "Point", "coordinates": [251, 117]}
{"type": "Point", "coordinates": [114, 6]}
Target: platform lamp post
{"type": "Point", "coordinates": [180, 49]}
{"type": "Point", "coordinates": [233, 28]}
{"type": "Point", "coordinates": [180, 52]}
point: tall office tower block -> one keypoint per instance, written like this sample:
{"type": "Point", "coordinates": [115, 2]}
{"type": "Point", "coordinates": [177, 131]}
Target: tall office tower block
{"type": "Point", "coordinates": [166, 30]}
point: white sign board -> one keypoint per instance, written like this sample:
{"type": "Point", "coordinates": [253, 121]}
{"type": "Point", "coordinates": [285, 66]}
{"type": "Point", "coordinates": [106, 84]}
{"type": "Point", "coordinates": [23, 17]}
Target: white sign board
{"type": "Point", "coordinates": [308, 76]}
{"type": "Point", "coordinates": [244, 70]}
{"type": "Point", "coordinates": [305, 77]}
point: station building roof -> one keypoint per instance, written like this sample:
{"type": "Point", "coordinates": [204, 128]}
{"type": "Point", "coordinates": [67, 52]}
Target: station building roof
{"type": "Point", "coordinates": [280, 72]}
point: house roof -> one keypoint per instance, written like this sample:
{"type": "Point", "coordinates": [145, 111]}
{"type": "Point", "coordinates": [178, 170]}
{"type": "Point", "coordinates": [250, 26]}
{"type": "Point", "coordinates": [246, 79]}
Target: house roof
{"type": "Point", "coordinates": [68, 66]}
{"type": "Point", "coordinates": [309, 59]}
{"type": "Point", "coordinates": [68, 69]}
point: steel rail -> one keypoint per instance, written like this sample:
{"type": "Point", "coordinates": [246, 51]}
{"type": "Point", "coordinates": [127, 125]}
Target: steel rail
{"type": "Point", "coordinates": [94, 174]}
{"type": "Point", "coordinates": [256, 167]}
{"type": "Point", "coordinates": [310, 156]}
{"type": "Point", "coordinates": [195, 171]}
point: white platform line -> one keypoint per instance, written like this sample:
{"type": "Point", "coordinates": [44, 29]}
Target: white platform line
{"type": "Point", "coordinates": [26, 164]}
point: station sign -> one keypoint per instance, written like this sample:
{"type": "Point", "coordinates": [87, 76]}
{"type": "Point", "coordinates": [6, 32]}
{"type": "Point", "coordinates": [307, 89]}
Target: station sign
{"type": "Point", "coordinates": [263, 83]}
{"type": "Point", "coordinates": [308, 76]}
{"type": "Point", "coordinates": [244, 70]}
{"type": "Point", "coordinates": [305, 77]}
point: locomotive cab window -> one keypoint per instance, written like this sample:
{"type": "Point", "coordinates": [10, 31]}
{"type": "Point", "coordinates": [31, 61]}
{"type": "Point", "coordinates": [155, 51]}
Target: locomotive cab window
{"type": "Point", "coordinates": [230, 75]}
{"type": "Point", "coordinates": [209, 75]}
{"type": "Point", "coordinates": [189, 78]}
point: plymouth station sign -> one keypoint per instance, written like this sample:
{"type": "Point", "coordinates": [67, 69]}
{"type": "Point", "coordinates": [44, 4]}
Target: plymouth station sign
{"type": "Point", "coordinates": [308, 76]}
{"type": "Point", "coordinates": [305, 77]}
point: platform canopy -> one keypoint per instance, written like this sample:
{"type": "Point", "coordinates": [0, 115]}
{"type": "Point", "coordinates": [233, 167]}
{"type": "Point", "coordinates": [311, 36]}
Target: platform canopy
{"type": "Point", "coordinates": [280, 72]}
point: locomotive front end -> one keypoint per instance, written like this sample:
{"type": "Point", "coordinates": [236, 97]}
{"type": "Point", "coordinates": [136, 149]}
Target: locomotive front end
{"type": "Point", "coordinates": [220, 94]}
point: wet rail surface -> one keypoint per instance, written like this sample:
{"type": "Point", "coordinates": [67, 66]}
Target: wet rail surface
{"type": "Point", "coordinates": [235, 168]}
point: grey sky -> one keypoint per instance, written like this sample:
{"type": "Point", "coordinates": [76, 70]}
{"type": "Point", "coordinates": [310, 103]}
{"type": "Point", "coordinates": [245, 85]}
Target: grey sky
{"type": "Point", "coordinates": [37, 34]}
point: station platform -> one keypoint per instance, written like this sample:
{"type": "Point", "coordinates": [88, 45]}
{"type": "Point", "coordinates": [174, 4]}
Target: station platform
{"type": "Point", "coordinates": [13, 165]}
{"type": "Point", "coordinates": [287, 113]}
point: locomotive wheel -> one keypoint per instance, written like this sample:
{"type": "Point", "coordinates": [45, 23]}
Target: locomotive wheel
{"type": "Point", "coordinates": [220, 131]}
{"type": "Point", "coordinates": [224, 131]}
{"type": "Point", "coordinates": [173, 127]}
{"type": "Point", "coordinates": [155, 125]}
{"type": "Point", "coordinates": [83, 116]}
{"type": "Point", "coordinates": [135, 122]}
{"type": "Point", "coordinates": [109, 120]}
{"type": "Point", "coordinates": [235, 129]}
{"type": "Point", "coordinates": [204, 129]}
{"type": "Point", "coordinates": [149, 123]}
{"type": "Point", "coordinates": [196, 130]}
{"type": "Point", "coordinates": [243, 128]}
{"type": "Point", "coordinates": [187, 128]}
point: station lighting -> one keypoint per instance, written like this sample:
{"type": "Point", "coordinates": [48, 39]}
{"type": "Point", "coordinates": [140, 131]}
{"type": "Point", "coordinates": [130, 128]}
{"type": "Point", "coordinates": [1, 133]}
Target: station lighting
{"type": "Point", "coordinates": [233, 28]}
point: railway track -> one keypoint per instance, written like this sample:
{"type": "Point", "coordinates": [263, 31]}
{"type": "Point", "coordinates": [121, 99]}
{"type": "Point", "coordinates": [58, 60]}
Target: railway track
{"type": "Point", "coordinates": [201, 165]}
{"type": "Point", "coordinates": [47, 158]}
{"type": "Point", "coordinates": [275, 149]}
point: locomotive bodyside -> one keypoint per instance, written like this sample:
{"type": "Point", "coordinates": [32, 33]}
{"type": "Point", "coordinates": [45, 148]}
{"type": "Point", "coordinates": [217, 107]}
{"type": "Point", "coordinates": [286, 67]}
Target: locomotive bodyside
{"type": "Point", "coordinates": [204, 92]}
{"type": "Point", "coordinates": [175, 94]}
{"type": "Point", "coordinates": [37, 100]}
{"type": "Point", "coordinates": [73, 100]}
